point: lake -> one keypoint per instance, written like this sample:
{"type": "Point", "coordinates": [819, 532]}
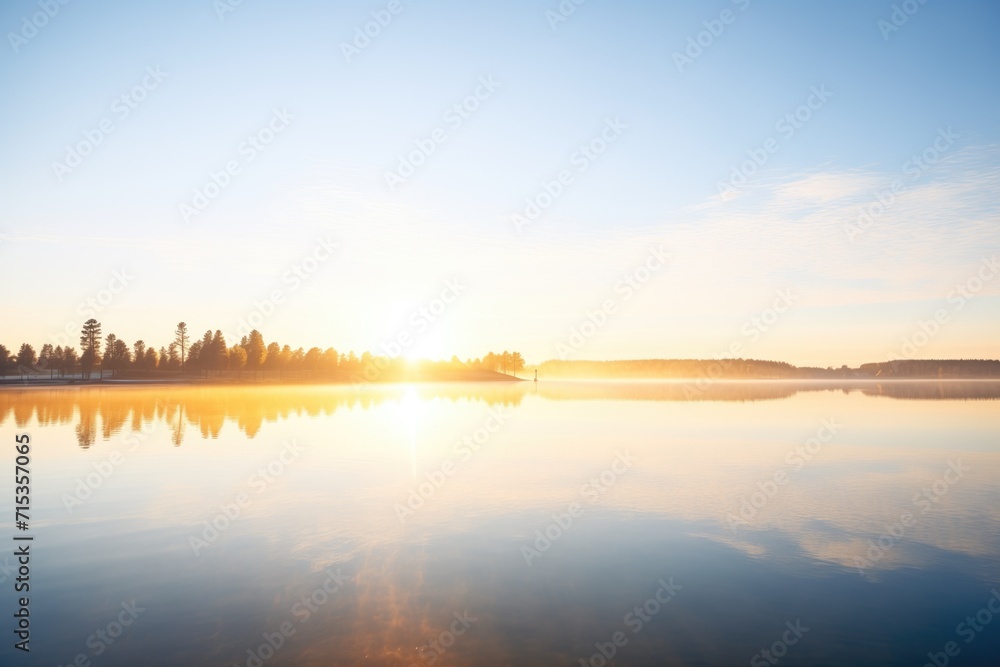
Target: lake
{"type": "Point", "coordinates": [563, 523]}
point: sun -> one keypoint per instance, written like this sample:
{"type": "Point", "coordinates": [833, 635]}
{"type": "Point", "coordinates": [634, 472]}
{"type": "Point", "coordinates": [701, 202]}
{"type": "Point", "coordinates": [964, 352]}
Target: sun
{"type": "Point", "coordinates": [428, 345]}
{"type": "Point", "coordinates": [412, 341]}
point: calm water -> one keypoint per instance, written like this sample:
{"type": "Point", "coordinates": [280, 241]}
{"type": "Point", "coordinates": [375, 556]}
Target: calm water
{"type": "Point", "coordinates": [513, 525]}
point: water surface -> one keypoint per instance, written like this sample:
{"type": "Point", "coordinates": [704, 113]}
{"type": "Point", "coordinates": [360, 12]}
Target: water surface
{"type": "Point", "coordinates": [450, 524]}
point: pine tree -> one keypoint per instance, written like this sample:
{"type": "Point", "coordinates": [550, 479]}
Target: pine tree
{"type": "Point", "coordinates": [255, 350]}
{"type": "Point", "coordinates": [90, 343]}
{"type": "Point", "coordinates": [26, 356]}
{"type": "Point", "coordinates": [181, 339]}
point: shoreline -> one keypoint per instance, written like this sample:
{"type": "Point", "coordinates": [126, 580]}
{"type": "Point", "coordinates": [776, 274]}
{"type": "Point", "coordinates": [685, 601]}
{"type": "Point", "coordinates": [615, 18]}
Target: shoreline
{"type": "Point", "coordinates": [189, 381]}
{"type": "Point", "coordinates": [213, 382]}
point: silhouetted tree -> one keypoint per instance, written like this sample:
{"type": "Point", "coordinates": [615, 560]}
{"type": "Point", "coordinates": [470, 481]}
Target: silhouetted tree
{"type": "Point", "coordinates": [272, 358]}
{"type": "Point", "coordinates": [311, 362]}
{"type": "Point", "coordinates": [90, 343]}
{"type": "Point", "coordinates": [45, 355]}
{"type": "Point", "coordinates": [491, 362]}
{"type": "Point", "coordinates": [237, 357]}
{"type": "Point", "coordinates": [26, 357]}
{"type": "Point", "coordinates": [58, 360]}
{"type": "Point", "coordinates": [220, 354]}
{"type": "Point", "coordinates": [200, 355]}
{"type": "Point", "coordinates": [116, 354]}
{"type": "Point", "coordinates": [350, 364]}
{"type": "Point", "coordinates": [285, 357]}
{"type": "Point", "coordinates": [70, 360]}
{"type": "Point", "coordinates": [5, 360]}
{"type": "Point", "coordinates": [196, 355]}
{"type": "Point", "coordinates": [516, 362]}
{"type": "Point", "coordinates": [256, 352]}
{"type": "Point", "coordinates": [172, 360]}
{"type": "Point", "coordinates": [123, 355]}
{"type": "Point", "coordinates": [139, 350]}
{"type": "Point", "coordinates": [181, 338]}
{"type": "Point", "coordinates": [330, 361]}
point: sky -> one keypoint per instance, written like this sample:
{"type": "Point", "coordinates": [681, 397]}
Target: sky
{"type": "Point", "coordinates": [811, 182]}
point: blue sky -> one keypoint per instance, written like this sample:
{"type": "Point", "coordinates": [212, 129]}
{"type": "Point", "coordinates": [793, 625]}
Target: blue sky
{"type": "Point", "coordinates": [857, 297]}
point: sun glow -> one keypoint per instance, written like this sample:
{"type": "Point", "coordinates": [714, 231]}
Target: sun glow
{"type": "Point", "coordinates": [429, 346]}
{"type": "Point", "coordinates": [410, 410]}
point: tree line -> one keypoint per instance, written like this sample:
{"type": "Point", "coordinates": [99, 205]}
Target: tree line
{"type": "Point", "coordinates": [211, 352]}
{"type": "Point", "coordinates": [762, 369]}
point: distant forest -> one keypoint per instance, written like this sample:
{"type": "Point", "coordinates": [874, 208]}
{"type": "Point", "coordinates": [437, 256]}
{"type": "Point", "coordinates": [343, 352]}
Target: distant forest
{"type": "Point", "coordinates": [758, 369]}
{"type": "Point", "coordinates": [211, 352]}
